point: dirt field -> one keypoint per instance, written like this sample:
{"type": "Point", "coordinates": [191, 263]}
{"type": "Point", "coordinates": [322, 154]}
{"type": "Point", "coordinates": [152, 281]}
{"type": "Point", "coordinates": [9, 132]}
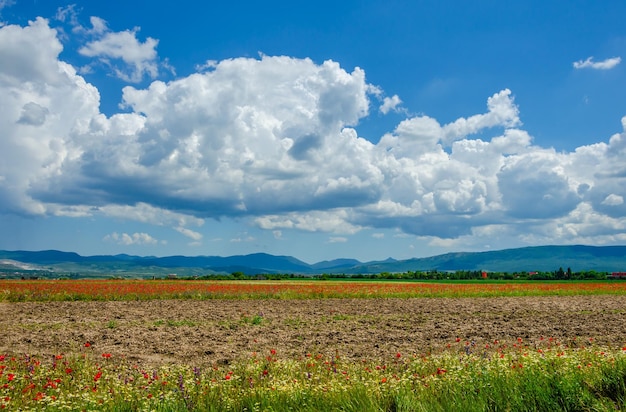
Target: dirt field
{"type": "Point", "coordinates": [204, 332]}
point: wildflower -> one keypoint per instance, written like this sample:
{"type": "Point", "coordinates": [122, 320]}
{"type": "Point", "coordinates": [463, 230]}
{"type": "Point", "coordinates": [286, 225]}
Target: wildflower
{"type": "Point", "coordinates": [10, 377]}
{"type": "Point", "coordinates": [383, 380]}
{"type": "Point", "coordinates": [273, 351]}
{"type": "Point", "coordinates": [398, 355]}
{"type": "Point", "coordinates": [97, 376]}
{"type": "Point", "coordinates": [106, 355]}
{"type": "Point", "coordinates": [87, 344]}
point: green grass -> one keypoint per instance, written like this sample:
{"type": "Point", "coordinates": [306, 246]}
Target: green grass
{"type": "Point", "coordinates": [501, 378]}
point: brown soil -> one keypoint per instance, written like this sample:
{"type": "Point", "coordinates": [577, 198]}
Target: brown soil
{"type": "Point", "coordinates": [203, 332]}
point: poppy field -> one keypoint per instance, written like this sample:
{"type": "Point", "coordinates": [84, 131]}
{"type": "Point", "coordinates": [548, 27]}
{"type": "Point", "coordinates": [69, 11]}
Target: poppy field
{"type": "Point", "coordinates": [71, 290]}
{"type": "Point", "coordinates": [312, 345]}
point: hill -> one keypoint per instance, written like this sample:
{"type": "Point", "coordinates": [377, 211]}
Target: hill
{"type": "Point", "coordinates": [52, 263]}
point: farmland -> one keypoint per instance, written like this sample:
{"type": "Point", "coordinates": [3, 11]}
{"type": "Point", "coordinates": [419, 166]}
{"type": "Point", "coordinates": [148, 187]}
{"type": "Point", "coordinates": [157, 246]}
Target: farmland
{"type": "Point", "coordinates": [284, 344]}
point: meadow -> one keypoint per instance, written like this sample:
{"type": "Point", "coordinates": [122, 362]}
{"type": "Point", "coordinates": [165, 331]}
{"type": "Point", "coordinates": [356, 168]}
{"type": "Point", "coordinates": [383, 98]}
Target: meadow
{"type": "Point", "coordinates": [136, 289]}
{"type": "Point", "coordinates": [312, 345]}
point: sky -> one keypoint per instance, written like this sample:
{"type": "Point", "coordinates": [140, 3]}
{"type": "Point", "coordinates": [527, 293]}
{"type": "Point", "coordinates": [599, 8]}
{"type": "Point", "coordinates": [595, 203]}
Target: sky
{"type": "Point", "coordinates": [320, 130]}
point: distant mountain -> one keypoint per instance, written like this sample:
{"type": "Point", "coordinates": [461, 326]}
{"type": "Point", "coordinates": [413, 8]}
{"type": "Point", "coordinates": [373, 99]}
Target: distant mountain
{"type": "Point", "coordinates": [539, 258]}
{"type": "Point", "coordinates": [336, 264]}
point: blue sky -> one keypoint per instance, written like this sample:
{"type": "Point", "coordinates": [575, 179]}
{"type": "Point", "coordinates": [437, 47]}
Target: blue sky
{"type": "Point", "coordinates": [362, 129]}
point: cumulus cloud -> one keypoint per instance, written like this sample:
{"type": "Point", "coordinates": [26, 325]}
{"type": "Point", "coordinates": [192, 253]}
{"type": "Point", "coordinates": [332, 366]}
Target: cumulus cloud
{"type": "Point", "coordinates": [109, 47]}
{"type": "Point", "coordinates": [601, 65]}
{"type": "Point", "coordinates": [389, 104]}
{"type": "Point", "coordinates": [613, 200]}
{"type": "Point", "coordinates": [33, 114]}
{"type": "Point", "coordinates": [273, 140]}
{"type": "Point", "coordinates": [127, 240]}
{"type": "Point", "coordinates": [122, 52]}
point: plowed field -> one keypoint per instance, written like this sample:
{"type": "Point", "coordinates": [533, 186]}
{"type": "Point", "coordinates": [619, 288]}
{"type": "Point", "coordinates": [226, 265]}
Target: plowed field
{"type": "Point", "coordinates": [221, 331]}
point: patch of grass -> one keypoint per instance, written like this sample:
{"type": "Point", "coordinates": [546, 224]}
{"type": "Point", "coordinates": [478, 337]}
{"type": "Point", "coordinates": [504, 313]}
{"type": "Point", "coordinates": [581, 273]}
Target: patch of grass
{"type": "Point", "coordinates": [253, 320]}
{"type": "Point", "coordinates": [295, 323]}
{"type": "Point", "coordinates": [181, 322]}
{"type": "Point", "coordinates": [508, 379]}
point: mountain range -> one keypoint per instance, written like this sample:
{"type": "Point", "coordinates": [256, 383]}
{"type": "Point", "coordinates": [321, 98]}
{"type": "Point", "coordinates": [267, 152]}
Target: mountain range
{"type": "Point", "coordinates": [538, 258]}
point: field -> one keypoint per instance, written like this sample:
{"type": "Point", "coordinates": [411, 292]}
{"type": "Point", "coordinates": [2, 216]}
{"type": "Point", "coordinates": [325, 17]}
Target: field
{"type": "Point", "coordinates": [312, 345]}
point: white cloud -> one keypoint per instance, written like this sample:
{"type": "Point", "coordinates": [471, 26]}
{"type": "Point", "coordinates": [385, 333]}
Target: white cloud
{"type": "Point", "coordinates": [601, 65]}
{"type": "Point", "coordinates": [189, 233]}
{"type": "Point", "coordinates": [273, 141]}
{"type": "Point", "coordinates": [502, 111]}
{"type": "Point", "coordinates": [122, 52]}
{"type": "Point", "coordinates": [337, 239]}
{"type": "Point", "coordinates": [140, 58]}
{"type": "Point", "coordinates": [207, 65]}
{"type": "Point", "coordinates": [127, 240]}
{"type": "Point", "coordinates": [33, 114]}
{"type": "Point", "coordinates": [44, 101]}
{"type": "Point", "coordinates": [613, 200]}
{"type": "Point", "coordinates": [389, 104]}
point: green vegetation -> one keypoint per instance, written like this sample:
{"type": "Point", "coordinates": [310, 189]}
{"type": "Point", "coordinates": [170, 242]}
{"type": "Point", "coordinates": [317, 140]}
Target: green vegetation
{"type": "Point", "coordinates": [498, 378]}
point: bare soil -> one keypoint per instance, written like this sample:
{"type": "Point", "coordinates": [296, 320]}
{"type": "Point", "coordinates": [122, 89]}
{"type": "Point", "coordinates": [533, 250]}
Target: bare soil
{"type": "Point", "coordinates": [221, 331]}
